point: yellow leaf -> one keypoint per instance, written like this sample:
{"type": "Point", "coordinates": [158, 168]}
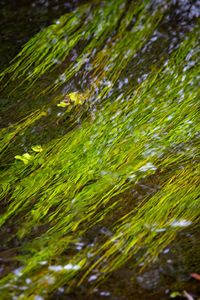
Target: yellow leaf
{"type": "Point", "coordinates": [25, 158]}
{"type": "Point", "coordinates": [76, 98]}
{"type": "Point", "coordinates": [63, 104]}
{"type": "Point", "coordinates": [37, 148]}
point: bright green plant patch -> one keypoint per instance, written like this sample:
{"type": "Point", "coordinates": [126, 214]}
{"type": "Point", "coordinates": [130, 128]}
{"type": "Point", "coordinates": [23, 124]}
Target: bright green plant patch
{"type": "Point", "coordinates": [147, 129]}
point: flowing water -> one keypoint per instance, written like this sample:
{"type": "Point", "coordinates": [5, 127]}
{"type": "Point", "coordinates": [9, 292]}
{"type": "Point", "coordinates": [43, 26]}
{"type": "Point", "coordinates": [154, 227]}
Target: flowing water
{"type": "Point", "coordinates": [170, 270]}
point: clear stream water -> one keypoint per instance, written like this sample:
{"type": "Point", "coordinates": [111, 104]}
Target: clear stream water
{"type": "Point", "coordinates": [20, 20]}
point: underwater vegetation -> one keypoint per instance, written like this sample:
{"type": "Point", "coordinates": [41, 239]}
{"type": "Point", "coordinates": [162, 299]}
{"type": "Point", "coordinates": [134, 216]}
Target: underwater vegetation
{"type": "Point", "coordinates": [102, 103]}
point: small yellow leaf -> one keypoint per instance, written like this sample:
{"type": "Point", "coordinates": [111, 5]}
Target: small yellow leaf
{"type": "Point", "coordinates": [25, 158]}
{"type": "Point", "coordinates": [63, 104]}
{"type": "Point", "coordinates": [76, 98]}
{"type": "Point", "coordinates": [175, 294]}
{"type": "Point", "coordinates": [18, 157]}
{"type": "Point", "coordinates": [37, 148]}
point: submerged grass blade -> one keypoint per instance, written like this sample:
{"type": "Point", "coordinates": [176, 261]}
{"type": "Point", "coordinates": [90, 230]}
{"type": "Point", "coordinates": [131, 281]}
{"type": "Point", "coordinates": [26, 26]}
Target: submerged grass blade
{"type": "Point", "coordinates": [78, 180]}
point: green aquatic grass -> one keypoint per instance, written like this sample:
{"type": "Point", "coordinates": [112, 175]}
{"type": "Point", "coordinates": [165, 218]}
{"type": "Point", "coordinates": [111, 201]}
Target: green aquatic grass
{"type": "Point", "coordinates": [9, 134]}
{"type": "Point", "coordinates": [151, 129]}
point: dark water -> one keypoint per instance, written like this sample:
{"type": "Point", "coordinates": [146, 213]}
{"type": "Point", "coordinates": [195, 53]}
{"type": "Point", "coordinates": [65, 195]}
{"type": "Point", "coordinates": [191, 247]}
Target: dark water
{"type": "Point", "coordinates": [20, 20]}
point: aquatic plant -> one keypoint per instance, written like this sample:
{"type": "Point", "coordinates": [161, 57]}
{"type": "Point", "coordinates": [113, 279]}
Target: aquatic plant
{"type": "Point", "coordinates": [57, 194]}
